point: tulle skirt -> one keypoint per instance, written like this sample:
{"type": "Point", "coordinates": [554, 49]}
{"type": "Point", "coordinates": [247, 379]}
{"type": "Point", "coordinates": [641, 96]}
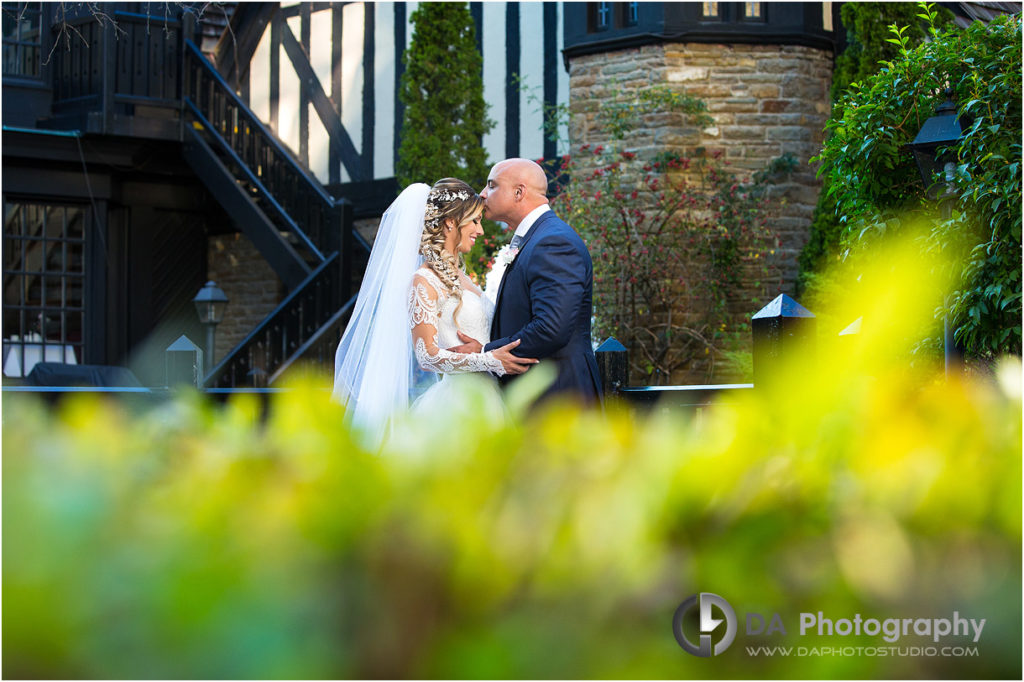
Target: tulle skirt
{"type": "Point", "coordinates": [471, 396]}
{"type": "Point", "coordinates": [450, 419]}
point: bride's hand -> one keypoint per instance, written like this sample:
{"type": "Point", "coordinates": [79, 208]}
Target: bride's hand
{"type": "Point", "coordinates": [513, 364]}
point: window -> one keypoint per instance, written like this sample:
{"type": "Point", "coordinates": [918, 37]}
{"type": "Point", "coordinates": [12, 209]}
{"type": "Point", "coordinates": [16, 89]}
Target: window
{"type": "Point", "coordinates": [709, 10]}
{"type": "Point", "coordinates": [631, 14]}
{"type": "Point", "coordinates": [22, 39]}
{"type": "Point", "coordinates": [753, 11]}
{"type": "Point", "coordinates": [601, 16]}
{"type": "Point", "coordinates": [44, 282]}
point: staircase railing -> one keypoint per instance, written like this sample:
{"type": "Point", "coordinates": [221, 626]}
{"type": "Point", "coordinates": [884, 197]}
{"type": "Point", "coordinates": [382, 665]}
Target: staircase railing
{"type": "Point", "coordinates": [307, 324]}
{"type": "Point", "coordinates": [295, 199]}
{"type": "Point", "coordinates": [285, 336]}
{"type": "Point", "coordinates": [108, 69]}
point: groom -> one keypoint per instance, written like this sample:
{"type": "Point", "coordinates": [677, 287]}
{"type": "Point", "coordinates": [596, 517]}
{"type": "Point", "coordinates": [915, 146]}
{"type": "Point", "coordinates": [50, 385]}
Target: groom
{"type": "Point", "coordinates": [545, 295]}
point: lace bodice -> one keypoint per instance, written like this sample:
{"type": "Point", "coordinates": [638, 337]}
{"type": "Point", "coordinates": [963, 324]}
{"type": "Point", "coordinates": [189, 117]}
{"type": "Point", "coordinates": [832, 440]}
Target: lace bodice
{"type": "Point", "coordinates": [434, 329]}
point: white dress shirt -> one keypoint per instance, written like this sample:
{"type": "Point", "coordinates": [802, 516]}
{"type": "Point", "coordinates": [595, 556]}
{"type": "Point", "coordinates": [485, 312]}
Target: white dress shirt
{"type": "Point", "coordinates": [530, 219]}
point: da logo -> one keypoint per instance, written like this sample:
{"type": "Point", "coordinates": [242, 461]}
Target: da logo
{"type": "Point", "coordinates": [705, 602]}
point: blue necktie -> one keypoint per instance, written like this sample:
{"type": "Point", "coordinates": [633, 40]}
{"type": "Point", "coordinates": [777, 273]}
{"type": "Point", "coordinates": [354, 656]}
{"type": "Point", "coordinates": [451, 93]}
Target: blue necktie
{"type": "Point", "coordinates": [517, 239]}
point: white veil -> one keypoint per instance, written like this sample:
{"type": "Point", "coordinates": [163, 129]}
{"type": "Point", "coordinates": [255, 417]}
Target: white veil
{"type": "Point", "coordinates": [375, 372]}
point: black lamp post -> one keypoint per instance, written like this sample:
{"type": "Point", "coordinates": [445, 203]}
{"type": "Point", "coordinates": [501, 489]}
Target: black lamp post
{"type": "Point", "coordinates": [941, 131]}
{"type": "Point", "coordinates": [210, 303]}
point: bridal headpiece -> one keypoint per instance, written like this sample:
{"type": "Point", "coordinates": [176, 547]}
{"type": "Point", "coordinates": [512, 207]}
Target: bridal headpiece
{"type": "Point", "coordinates": [438, 196]}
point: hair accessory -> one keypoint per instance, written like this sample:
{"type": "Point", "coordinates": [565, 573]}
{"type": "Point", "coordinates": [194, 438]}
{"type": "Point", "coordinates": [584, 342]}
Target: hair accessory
{"type": "Point", "coordinates": [446, 195]}
{"type": "Point", "coordinates": [437, 196]}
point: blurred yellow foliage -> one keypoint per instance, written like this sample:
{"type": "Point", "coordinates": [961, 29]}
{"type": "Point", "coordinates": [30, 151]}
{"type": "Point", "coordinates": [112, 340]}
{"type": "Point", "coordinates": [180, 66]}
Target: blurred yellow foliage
{"type": "Point", "coordinates": [189, 540]}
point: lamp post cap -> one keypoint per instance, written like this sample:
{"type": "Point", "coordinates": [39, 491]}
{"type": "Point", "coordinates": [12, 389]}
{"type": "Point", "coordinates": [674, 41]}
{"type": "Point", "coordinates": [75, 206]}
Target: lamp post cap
{"type": "Point", "coordinates": [782, 306]}
{"type": "Point", "coordinates": [210, 292]}
{"type": "Point", "coordinates": [183, 343]}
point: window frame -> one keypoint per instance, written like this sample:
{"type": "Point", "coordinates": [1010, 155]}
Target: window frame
{"type": "Point", "coordinates": [17, 11]}
{"type": "Point", "coordinates": [759, 19]}
{"type": "Point", "coordinates": [717, 16]}
{"type": "Point", "coordinates": [599, 10]}
{"type": "Point", "coordinates": [28, 318]}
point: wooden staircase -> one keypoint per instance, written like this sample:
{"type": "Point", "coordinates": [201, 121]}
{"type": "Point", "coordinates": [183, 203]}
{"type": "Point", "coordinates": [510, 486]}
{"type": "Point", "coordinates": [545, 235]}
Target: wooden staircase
{"type": "Point", "coordinates": [304, 234]}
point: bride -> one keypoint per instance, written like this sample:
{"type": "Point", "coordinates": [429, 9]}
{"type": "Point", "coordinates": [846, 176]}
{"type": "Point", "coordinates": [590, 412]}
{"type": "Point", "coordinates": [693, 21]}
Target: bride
{"type": "Point", "coordinates": [416, 280]}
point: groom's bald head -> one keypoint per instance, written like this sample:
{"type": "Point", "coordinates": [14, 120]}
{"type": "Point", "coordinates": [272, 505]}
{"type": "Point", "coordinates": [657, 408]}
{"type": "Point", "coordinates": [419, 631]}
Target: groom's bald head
{"type": "Point", "coordinates": [514, 188]}
{"type": "Point", "coordinates": [527, 173]}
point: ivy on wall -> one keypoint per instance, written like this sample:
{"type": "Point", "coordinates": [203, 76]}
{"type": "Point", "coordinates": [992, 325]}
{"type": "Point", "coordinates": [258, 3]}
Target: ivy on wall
{"type": "Point", "coordinates": [867, 32]}
{"type": "Point", "coordinates": [878, 191]}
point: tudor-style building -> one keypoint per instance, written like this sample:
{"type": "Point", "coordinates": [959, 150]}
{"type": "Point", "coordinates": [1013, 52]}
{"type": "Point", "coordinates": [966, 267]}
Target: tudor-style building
{"type": "Point", "coordinates": [144, 154]}
{"type": "Point", "coordinates": [150, 147]}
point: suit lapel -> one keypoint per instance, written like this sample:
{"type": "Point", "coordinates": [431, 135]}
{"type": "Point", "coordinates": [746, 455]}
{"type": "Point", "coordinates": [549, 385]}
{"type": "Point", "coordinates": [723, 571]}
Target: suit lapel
{"type": "Point", "coordinates": [534, 229]}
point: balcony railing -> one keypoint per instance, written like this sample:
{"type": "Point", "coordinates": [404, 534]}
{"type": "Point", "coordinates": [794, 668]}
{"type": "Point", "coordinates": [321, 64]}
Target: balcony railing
{"type": "Point", "coordinates": [119, 76]}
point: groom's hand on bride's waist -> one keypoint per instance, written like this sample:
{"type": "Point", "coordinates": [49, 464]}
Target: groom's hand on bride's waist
{"type": "Point", "coordinates": [469, 345]}
{"type": "Point", "coordinates": [511, 363]}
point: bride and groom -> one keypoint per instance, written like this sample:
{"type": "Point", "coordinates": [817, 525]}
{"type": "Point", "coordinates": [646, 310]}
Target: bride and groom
{"type": "Point", "coordinates": [420, 322]}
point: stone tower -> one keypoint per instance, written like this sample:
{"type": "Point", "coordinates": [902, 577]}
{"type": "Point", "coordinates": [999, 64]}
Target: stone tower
{"type": "Point", "coordinates": [764, 70]}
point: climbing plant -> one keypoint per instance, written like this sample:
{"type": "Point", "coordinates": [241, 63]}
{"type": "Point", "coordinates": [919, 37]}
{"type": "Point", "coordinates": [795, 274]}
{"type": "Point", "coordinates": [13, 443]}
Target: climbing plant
{"type": "Point", "coordinates": [878, 191]}
{"type": "Point", "coordinates": [867, 33]}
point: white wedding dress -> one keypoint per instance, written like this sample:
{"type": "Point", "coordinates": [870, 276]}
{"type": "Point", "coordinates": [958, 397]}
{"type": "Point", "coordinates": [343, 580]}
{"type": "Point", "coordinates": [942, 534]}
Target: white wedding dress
{"type": "Point", "coordinates": [379, 370]}
{"type": "Point", "coordinates": [465, 377]}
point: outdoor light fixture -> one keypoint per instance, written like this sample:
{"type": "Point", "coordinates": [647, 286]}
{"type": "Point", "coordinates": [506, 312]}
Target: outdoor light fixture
{"type": "Point", "coordinates": [210, 303]}
{"type": "Point", "coordinates": [940, 131]}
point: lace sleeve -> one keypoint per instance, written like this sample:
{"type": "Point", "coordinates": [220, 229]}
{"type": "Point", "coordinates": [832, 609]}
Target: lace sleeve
{"type": "Point", "coordinates": [424, 315]}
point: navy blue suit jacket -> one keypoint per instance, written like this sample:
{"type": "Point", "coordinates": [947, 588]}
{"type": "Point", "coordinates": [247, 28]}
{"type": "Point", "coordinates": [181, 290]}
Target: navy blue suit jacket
{"type": "Point", "coordinates": [546, 300]}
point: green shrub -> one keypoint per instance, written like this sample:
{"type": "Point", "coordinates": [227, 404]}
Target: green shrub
{"type": "Point", "coordinates": [867, 32]}
{"type": "Point", "coordinates": [442, 90]}
{"type": "Point", "coordinates": [876, 186]}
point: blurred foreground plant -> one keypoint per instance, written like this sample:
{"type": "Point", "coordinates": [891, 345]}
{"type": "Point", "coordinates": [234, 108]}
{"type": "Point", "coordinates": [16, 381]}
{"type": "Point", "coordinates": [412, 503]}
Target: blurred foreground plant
{"type": "Point", "coordinates": [200, 542]}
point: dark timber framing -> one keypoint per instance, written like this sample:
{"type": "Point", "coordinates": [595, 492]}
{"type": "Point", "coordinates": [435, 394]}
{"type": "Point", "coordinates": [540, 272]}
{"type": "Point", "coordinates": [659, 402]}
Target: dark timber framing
{"type": "Point", "coordinates": [512, 46]}
{"type": "Point", "coordinates": [476, 10]}
{"type": "Point", "coordinates": [275, 68]}
{"type": "Point", "coordinates": [325, 109]}
{"type": "Point", "coordinates": [550, 70]}
{"type": "Point", "coordinates": [400, 40]}
{"type": "Point", "coordinates": [369, 91]}
{"type": "Point", "coordinates": [304, 31]}
{"type": "Point", "coordinates": [337, 30]}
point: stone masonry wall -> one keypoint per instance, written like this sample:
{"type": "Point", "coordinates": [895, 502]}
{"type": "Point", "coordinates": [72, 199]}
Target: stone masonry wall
{"type": "Point", "coordinates": [766, 100]}
{"type": "Point", "coordinates": [252, 288]}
